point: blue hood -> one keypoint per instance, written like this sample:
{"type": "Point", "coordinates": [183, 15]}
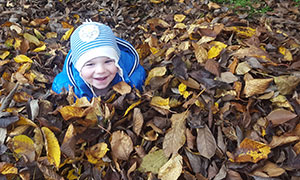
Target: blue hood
{"type": "Point", "coordinates": [133, 73]}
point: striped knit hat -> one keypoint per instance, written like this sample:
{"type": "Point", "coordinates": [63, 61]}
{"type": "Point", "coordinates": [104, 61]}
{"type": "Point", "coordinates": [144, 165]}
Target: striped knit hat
{"type": "Point", "coordinates": [91, 40]}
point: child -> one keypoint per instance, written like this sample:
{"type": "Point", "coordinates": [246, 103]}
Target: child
{"type": "Point", "coordinates": [96, 61]}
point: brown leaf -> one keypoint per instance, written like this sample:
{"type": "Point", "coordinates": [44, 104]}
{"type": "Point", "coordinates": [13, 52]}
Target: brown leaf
{"type": "Point", "coordinates": [138, 121]}
{"type": "Point", "coordinates": [172, 169]}
{"type": "Point", "coordinates": [256, 86]}
{"type": "Point", "coordinates": [213, 67]}
{"type": "Point", "coordinates": [121, 145]}
{"type": "Point", "coordinates": [175, 137]}
{"type": "Point", "coordinates": [200, 53]}
{"type": "Point", "coordinates": [280, 116]}
{"type": "Point", "coordinates": [206, 143]}
{"type": "Point", "coordinates": [122, 88]}
{"type": "Point", "coordinates": [281, 140]}
{"type": "Point", "coordinates": [272, 169]}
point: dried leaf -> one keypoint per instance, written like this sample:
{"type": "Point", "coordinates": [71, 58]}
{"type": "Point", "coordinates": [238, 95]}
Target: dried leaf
{"type": "Point", "coordinates": [256, 86]}
{"type": "Point", "coordinates": [216, 49]}
{"type": "Point", "coordinates": [251, 151]}
{"type": "Point", "coordinates": [121, 145]}
{"type": "Point", "coordinates": [52, 147]}
{"type": "Point", "coordinates": [286, 84]}
{"type": "Point", "coordinates": [132, 106]}
{"type": "Point", "coordinates": [4, 55]}
{"type": "Point", "coordinates": [67, 34]}
{"type": "Point", "coordinates": [22, 59]}
{"type": "Point", "coordinates": [122, 88]}
{"type": "Point", "coordinates": [200, 53]}
{"type": "Point", "coordinates": [287, 54]}
{"type": "Point", "coordinates": [280, 116]}
{"type": "Point", "coordinates": [69, 112]}
{"type": "Point", "coordinates": [7, 168]}
{"type": "Point", "coordinates": [138, 121]}
{"type": "Point", "coordinates": [158, 71]}
{"type": "Point", "coordinates": [206, 143]}
{"type": "Point", "coordinates": [41, 48]}
{"type": "Point", "coordinates": [160, 102]}
{"type": "Point", "coordinates": [23, 145]}
{"type": "Point", "coordinates": [38, 141]}
{"type": "Point", "coordinates": [175, 137]}
{"type": "Point", "coordinates": [153, 161]}
{"type": "Point", "coordinates": [32, 39]}
{"type": "Point", "coordinates": [281, 140]}
{"type": "Point", "coordinates": [172, 169]}
{"type": "Point", "coordinates": [272, 169]}
{"type": "Point", "coordinates": [242, 68]}
{"type": "Point", "coordinates": [96, 152]}
{"type": "Point", "coordinates": [179, 17]}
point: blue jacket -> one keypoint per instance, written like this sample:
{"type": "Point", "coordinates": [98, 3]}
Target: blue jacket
{"type": "Point", "coordinates": [133, 73]}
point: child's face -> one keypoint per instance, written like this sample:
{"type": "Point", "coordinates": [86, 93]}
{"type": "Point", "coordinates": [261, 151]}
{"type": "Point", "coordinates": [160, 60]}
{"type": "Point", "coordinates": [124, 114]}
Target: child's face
{"type": "Point", "coordinates": [99, 72]}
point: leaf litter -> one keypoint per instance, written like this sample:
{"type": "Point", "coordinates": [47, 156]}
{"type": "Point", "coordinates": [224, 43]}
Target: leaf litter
{"type": "Point", "coordinates": [221, 100]}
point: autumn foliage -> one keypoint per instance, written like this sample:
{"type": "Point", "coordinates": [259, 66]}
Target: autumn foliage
{"type": "Point", "coordinates": [221, 98]}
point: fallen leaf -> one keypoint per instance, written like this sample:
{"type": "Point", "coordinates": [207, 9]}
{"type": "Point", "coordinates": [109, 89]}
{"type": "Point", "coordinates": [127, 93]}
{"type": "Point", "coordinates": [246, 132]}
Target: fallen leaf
{"type": "Point", "coordinates": [4, 55]}
{"type": "Point", "coordinates": [69, 112]}
{"type": "Point", "coordinates": [175, 137]}
{"type": "Point", "coordinates": [22, 59]}
{"type": "Point", "coordinates": [153, 161]}
{"type": "Point", "coordinates": [256, 86]}
{"type": "Point", "coordinates": [67, 34]}
{"type": "Point", "coordinates": [138, 121]}
{"type": "Point", "coordinates": [7, 168]}
{"type": "Point", "coordinates": [200, 53]}
{"type": "Point", "coordinates": [121, 145]}
{"type": "Point", "coordinates": [286, 53]}
{"type": "Point", "coordinates": [132, 106]}
{"type": "Point", "coordinates": [280, 116]}
{"type": "Point", "coordinates": [23, 145]}
{"type": "Point", "coordinates": [172, 169]}
{"type": "Point", "coordinates": [158, 71]}
{"type": "Point", "coordinates": [122, 88]}
{"type": "Point", "coordinates": [251, 151]}
{"type": "Point", "coordinates": [216, 49]}
{"type": "Point", "coordinates": [179, 17]}
{"type": "Point", "coordinates": [281, 140]}
{"type": "Point", "coordinates": [206, 143]}
{"type": "Point", "coordinates": [160, 102]}
{"type": "Point", "coordinates": [286, 84]}
{"type": "Point", "coordinates": [272, 169]}
{"type": "Point", "coordinates": [32, 39]}
{"type": "Point", "coordinates": [242, 68]}
{"type": "Point", "coordinates": [52, 147]}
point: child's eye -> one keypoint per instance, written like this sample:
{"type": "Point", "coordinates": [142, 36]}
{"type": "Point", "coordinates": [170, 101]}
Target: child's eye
{"type": "Point", "coordinates": [109, 61]}
{"type": "Point", "coordinates": [89, 64]}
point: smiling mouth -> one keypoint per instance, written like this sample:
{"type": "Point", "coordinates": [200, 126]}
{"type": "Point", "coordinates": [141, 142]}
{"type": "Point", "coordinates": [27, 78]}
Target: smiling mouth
{"type": "Point", "coordinates": [101, 79]}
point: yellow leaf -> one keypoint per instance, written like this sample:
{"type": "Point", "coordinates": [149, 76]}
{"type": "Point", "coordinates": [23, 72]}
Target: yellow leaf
{"type": "Point", "coordinates": [22, 59]}
{"type": "Point", "coordinates": [132, 106]}
{"type": "Point", "coordinates": [24, 121]}
{"type": "Point", "coordinates": [67, 34]}
{"type": "Point", "coordinates": [216, 49]}
{"type": "Point", "coordinates": [52, 147]}
{"type": "Point", "coordinates": [179, 17]}
{"type": "Point", "coordinates": [4, 55]}
{"type": "Point", "coordinates": [7, 168]}
{"type": "Point", "coordinates": [9, 42]}
{"type": "Point", "coordinates": [172, 169]}
{"type": "Point", "coordinates": [160, 102]}
{"type": "Point", "coordinates": [69, 112]}
{"type": "Point", "coordinates": [252, 151]}
{"type": "Point", "coordinates": [157, 71]}
{"type": "Point", "coordinates": [51, 35]}
{"type": "Point", "coordinates": [41, 48]}
{"type": "Point", "coordinates": [287, 54]}
{"type": "Point", "coordinates": [71, 175]}
{"type": "Point", "coordinates": [38, 34]}
{"type": "Point", "coordinates": [156, 1]}
{"type": "Point", "coordinates": [180, 26]}
{"type": "Point", "coordinates": [32, 39]}
{"type": "Point", "coordinates": [243, 31]}
{"type": "Point", "coordinates": [99, 150]}
{"type": "Point", "coordinates": [23, 145]}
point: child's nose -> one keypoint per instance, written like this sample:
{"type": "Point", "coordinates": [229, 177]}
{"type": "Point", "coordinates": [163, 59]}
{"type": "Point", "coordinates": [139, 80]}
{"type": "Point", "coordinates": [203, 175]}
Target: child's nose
{"type": "Point", "coordinates": [100, 69]}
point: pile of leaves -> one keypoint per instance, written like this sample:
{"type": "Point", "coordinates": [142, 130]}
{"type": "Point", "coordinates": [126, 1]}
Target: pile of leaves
{"type": "Point", "coordinates": [221, 99]}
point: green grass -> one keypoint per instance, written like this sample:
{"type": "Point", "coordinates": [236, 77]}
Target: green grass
{"type": "Point", "coordinates": [249, 6]}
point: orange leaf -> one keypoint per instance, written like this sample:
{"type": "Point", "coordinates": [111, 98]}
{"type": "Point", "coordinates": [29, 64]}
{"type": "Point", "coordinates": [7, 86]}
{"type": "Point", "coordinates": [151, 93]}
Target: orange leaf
{"type": "Point", "coordinates": [251, 151]}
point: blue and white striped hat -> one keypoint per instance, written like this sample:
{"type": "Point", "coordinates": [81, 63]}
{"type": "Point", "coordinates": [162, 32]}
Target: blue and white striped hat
{"type": "Point", "coordinates": [91, 40]}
